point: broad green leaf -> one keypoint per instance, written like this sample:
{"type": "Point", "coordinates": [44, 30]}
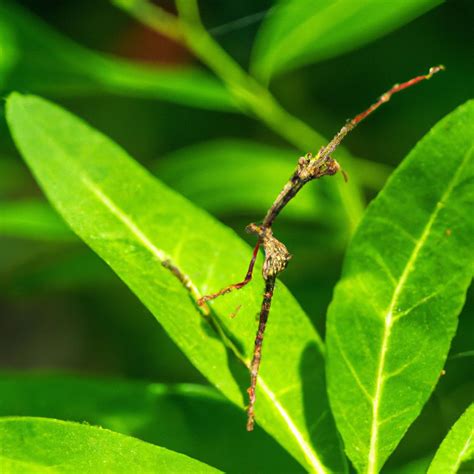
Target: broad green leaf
{"type": "Point", "coordinates": [298, 32]}
{"type": "Point", "coordinates": [456, 453]}
{"type": "Point", "coordinates": [189, 419]}
{"type": "Point", "coordinates": [135, 223]}
{"type": "Point", "coordinates": [40, 445]}
{"type": "Point", "coordinates": [404, 281]}
{"type": "Point", "coordinates": [33, 57]}
{"type": "Point", "coordinates": [32, 219]}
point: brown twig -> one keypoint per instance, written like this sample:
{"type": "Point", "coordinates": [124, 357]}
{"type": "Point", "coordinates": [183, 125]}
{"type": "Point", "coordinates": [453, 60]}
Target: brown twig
{"type": "Point", "coordinates": [276, 254]}
{"type": "Point", "coordinates": [351, 124]}
{"type": "Point", "coordinates": [257, 352]}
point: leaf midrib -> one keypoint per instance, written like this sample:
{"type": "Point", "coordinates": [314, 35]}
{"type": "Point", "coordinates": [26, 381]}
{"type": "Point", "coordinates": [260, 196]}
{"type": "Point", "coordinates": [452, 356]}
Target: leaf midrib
{"type": "Point", "coordinates": [389, 320]}
{"type": "Point", "coordinates": [309, 454]}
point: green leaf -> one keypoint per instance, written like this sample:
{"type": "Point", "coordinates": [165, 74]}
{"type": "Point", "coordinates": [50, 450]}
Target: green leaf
{"type": "Point", "coordinates": [299, 32]}
{"type": "Point", "coordinates": [33, 219]}
{"type": "Point", "coordinates": [405, 276]}
{"type": "Point", "coordinates": [34, 57]}
{"type": "Point", "coordinates": [189, 419]}
{"type": "Point", "coordinates": [456, 453]}
{"type": "Point", "coordinates": [43, 445]}
{"type": "Point", "coordinates": [135, 223]}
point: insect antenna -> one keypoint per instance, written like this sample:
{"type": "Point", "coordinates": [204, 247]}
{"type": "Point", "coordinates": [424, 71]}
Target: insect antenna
{"type": "Point", "coordinates": [234, 286]}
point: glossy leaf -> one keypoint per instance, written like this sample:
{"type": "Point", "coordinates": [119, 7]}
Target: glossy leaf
{"type": "Point", "coordinates": [135, 223]}
{"type": "Point", "coordinates": [456, 453]}
{"type": "Point", "coordinates": [299, 32]}
{"type": "Point", "coordinates": [31, 54]}
{"type": "Point", "coordinates": [39, 445]}
{"type": "Point", "coordinates": [32, 219]}
{"type": "Point", "coordinates": [189, 419]}
{"type": "Point", "coordinates": [404, 281]}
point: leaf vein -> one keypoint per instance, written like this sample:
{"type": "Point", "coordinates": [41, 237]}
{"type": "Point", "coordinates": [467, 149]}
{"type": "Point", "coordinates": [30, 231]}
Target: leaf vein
{"type": "Point", "coordinates": [372, 465]}
{"type": "Point", "coordinates": [352, 369]}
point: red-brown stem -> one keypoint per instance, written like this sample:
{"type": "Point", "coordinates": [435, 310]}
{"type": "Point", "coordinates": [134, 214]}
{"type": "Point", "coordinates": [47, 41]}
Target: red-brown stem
{"type": "Point", "coordinates": [288, 192]}
{"type": "Point", "coordinates": [257, 351]}
{"type": "Point", "coordinates": [334, 143]}
{"type": "Point", "coordinates": [396, 88]}
{"type": "Point", "coordinates": [235, 286]}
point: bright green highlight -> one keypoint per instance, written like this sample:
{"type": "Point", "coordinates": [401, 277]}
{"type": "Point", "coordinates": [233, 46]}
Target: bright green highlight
{"type": "Point", "coordinates": [41, 445]}
{"type": "Point", "coordinates": [135, 223]}
{"type": "Point", "coordinates": [406, 272]}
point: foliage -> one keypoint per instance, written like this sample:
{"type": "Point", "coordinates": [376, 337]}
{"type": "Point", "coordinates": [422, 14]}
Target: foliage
{"type": "Point", "coordinates": [300, 32]}
{"type": "Point", "coordinates": [185, 418]}
{"type": "Point", "coordinates": [32, 52]}
{"type": "Point", "coordinates": [404, 282]}
{"type": "Point", "coordinates": [456, 451]}
{"type": "Point", "coordinates": [351, 402]}
{"type": "Point", "coordinates": [37, 444]}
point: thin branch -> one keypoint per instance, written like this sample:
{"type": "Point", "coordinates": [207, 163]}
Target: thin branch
{"type": "Point", "coordinates": [322, 164]}
{"type": "Point", "coordinates": [189, 11]}
{"type": "Point", "coordinates": [187, 283]}
{"type": "Point", "coordinates": [276, 254]}
{"type": "Point", "coordinates": [154, 16]}
{"type": "Point", "coordinates": [257, 352]}
{"type": "Point", "coordinates": [258, 100]}
{"type": "Point", "coordinates": [349, 126]}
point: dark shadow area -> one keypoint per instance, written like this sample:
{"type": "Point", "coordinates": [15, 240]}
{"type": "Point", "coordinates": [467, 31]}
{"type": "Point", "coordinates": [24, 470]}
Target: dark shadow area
{"type": "Point", "coordinates": [188, 419]}
{"type": "Point", "coordinates": [319, 421]}
{"type": "Point", "coordinates": [238, 370]}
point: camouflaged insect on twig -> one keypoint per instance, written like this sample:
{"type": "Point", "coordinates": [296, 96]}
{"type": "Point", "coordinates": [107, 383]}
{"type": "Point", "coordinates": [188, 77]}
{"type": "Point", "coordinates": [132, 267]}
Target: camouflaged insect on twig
{"type": "Point", "coordinates": [276, 254]}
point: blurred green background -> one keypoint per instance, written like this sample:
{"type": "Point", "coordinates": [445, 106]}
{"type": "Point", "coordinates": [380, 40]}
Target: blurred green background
{"type": "Point", "coordinates": [62, 309]}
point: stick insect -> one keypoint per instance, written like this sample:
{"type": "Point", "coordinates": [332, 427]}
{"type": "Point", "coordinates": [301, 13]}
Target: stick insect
{"type": "Point", "coordinates": [276, 255]}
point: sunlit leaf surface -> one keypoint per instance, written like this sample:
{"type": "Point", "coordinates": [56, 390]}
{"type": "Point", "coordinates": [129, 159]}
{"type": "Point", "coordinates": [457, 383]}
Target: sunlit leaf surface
{"type": "Point", "coordinates": [42, 445]}
{"type": "Point", "coordinates": [189, 419]}
{"type": "Point", "coordinates": [135, 224]}
{"type": "Point", "coordinates": [404, 281]}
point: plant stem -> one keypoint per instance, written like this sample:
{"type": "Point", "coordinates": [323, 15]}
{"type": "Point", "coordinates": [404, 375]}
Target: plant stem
{"type": "Point", "coordinates": [157, 18]}
{"type": "Point", "coordinates": [252, 97]}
